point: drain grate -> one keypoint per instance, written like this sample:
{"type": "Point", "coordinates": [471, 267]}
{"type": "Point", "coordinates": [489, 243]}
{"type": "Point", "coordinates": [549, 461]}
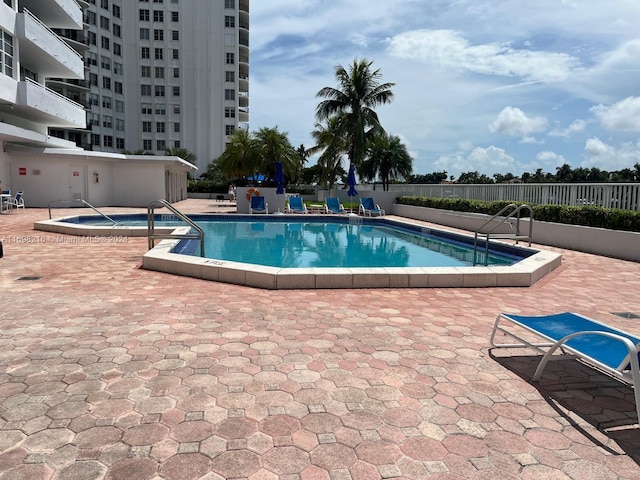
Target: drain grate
{"type": "Point", "coordinates": [29, 278]}
{"type": "Point", "coordinates": [626, 314]}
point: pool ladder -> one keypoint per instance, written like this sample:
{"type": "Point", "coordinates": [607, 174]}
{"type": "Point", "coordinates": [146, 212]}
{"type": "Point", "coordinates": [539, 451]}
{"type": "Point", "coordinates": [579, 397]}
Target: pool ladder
{"type": "Point", "coordinates": [151, 232]}
{"type": "Point", "coordinates": [517, 235]}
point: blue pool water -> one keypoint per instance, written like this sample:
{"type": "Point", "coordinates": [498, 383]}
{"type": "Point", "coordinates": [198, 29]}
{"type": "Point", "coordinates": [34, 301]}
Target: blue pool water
{"type": "Point", "coordinates": [321, 242]}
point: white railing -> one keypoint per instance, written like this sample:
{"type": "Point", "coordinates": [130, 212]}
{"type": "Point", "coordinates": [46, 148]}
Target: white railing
{"type": "Point", "coordinates": [625, 196]}
{"type": "Point", "coordinates": [42, 25]}
{"type": "Point", "coordinates": [53, 92]}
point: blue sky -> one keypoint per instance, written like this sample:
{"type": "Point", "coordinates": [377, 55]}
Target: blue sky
{"type": "Point", "coordinates": [495, 86]}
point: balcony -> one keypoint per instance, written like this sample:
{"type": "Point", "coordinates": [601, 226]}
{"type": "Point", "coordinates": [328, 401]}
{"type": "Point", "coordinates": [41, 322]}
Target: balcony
{"type": "Point", "coordinates": [42, 105]}
{"type": "Point", "coordinates": [243, 5]}
{"type": "Point", "coordinates": [56, 13]}
{"type": "Point", "coordinates": [243, 115]}
{"type": "Point", "coordinates": [44, 52]}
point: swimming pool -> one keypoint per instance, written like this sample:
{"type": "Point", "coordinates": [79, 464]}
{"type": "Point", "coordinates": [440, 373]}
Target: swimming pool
{"type": "Point", "coordinates": [523, 266]}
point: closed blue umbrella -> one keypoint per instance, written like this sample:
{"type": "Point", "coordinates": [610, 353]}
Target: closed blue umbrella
{"type": "Point", "coordinates": [279, 179]}
{"type": "Point", "coordinates": [351, 181]}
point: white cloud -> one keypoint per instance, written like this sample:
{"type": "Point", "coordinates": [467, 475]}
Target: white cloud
{"type": "Point", "coordinates": [488, 160]}
{"type": "Point", "coordinates": [609, 157]}
{"type": "Point", "coordinates": [623, 116]}
{"type": "Point", "coordinates": [513, 121]}
{"type": "Point", "coordinates": [550, 158]}
{"type": "Point", "coordinates": [449, 49]}
{"type": "Point", "coordinates": [577, 126]}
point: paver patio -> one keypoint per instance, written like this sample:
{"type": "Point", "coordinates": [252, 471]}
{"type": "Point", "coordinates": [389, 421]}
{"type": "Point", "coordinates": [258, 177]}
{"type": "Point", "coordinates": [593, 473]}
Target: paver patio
{"type": "Point", "coordinates": [108, 371]}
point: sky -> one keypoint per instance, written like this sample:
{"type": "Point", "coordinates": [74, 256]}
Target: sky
{"type": "Point", "coordinates": [494, 86]}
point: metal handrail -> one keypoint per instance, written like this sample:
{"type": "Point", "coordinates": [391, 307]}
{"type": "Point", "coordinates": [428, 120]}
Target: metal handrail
{"type": "Point", "coordinates": [151, 235]}
{"type": "Point", "coordinates": [517, 236]}
{"type": "Point", "coordinates": [86, 203]}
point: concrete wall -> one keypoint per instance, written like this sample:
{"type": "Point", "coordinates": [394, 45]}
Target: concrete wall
{"type": "Point", "coordinates": [610, 243]}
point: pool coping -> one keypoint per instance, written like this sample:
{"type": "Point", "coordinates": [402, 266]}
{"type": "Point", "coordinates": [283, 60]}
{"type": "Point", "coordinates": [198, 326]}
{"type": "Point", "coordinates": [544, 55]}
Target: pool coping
{"type": "Point", "coordinates": [160, 258]}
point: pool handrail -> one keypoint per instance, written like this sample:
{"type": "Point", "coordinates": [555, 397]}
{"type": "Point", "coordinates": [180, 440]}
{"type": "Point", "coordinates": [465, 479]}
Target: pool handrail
{"type": "Point", "coordinates": [151, 235]}
{"type": "Point", "coordinates": [86, 203]}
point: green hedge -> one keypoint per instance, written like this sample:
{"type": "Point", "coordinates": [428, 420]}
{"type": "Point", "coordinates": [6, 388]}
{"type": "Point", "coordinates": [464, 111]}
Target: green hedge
{"type": "Point", "coordinates": [206, 186]}
{"type": "Point", "coordinates": [589, 216]}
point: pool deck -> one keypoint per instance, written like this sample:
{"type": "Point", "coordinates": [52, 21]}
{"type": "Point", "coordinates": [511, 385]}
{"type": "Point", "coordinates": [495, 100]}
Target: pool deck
{"type": "Point", "coordinates": [109, 371]}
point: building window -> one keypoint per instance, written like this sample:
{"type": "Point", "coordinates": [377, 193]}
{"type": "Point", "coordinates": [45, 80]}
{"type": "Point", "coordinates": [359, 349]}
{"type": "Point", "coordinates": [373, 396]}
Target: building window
{"type": "Point", "coordinates": [106, 102]}
{"type": "Point", "coordinates": [159, 90]}
{"type": "Point", "coordinates": [105, 43]}
{"type": "Point", "coordinates": [146, 109]}
{"type": "Point", "coordinates": [229, 94]}
{"type": "Point", "coordinates": [146, 127]}
{"type": "Point", "coordinates": [117, 87]}
{"type": "Point", "coordinates": [158, 34]}
{"type": "Point", "coordinates": [107, 121]}
{"type": "Point", "coordinates": [145, 90]}
{"type": "Point", "coordinates": [91, 59]}
{"type": "Point", "coordinates": [158, 16]}
{"type": "Point", "coordinates": [117, 68]}
{"type": "Point", "coordinates": [145, 71]}
{"type": "Point", "coordinates": [147, 145]}
{"type": "Point", "coordinates": [175, 35]}
{"type": "Point", "coordinates": [104, 4]}
{"type": "Point", "coordinates": [176, 91]}
{"type": "Point", "coordinates": [105, 62]}
{"type": "Point", "coordinates": [161, 109]}
{"type": "Point", "coordinates": [175, 54]}
{"type": "Point", "coordinates": [106, 83]}
{"type": "Point", "coordinates": [91, 18]}
{"type": "Point", "coordinates": [117, 49]}
{"type": "Point", "coordinates": [175, 16]}
{"type": "Point", "coordinates": [108, 141]}
{"type": "Point", "coordinates": [145, 52]}
{"type": "Point", "coordinates": [95, 139]}
{"type": "Point", "coordinates": [119, 106]}
{"type": "Point", "coordinates": [116, 11]}
{"type": "Point", "coordinates": [229, 21]}
{"type": "Point", "coordinates": [158, 1]}
{"type": "Point", "coordinates": [230, 112]}
{"type": "Point", "coordinates": [176, 109]}
{"type": "Point", "coordinates": [94, 119]}
{"type": "Point", "coordinates": [144, 15]}
{"type": "Point", "coordinates": [229, 3]}
{"type": "Point", "coordinates": [159, 72]}
{"type": "Point", "coordinates": [159, 127]}
{"type": "Point", "coordinates": [104, 22]}
{"type": "Point", "coordinates": [93, 79]}
{"type": "Point", "coordinates": [144, 34]}
{"type": "Point", "coordinates": [92, 38]}
{"type": "Point", "coordinates": [177, 144]}
{"type": "Point", "coordinates": [176, 72]}
{"type": "Point", "coordinates": [229, 76]}
{"type": "Point", "coordinates": [161, 144]}
{"type": "Point", "coordinates": [231, 58]}
{"type": "Point", "coordinates": [176, 127]}
{"type": "Point", "coordinates": [229, 129]}
{"type": "Point", "coordinates": [94, 99]}
{"type": "Point", "coordinates": [119, 125]}
{"type": "Point", "coordinates": [116, 31]}
{"type": "Point", "coordinates": [120, 143]}
{"type": "Point", "coordinates": [158, 54]}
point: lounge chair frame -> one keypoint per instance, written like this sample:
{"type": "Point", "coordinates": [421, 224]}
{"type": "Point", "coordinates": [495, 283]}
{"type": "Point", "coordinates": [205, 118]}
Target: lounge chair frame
{"type": "Point", "coordinates": [302, 208]}
{"type": "Point", "coordinates": [335, 208]}
{"type": "Point", "coordinates": [256, 207]}
{"type": "Point", "coordinates": [365, 210]}
{"type": "Point", "coordinates": [613, 351]}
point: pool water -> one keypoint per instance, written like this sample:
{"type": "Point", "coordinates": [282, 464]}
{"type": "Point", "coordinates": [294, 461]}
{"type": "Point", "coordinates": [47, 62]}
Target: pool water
{"type": "Point", "coordinates": [291, 244]}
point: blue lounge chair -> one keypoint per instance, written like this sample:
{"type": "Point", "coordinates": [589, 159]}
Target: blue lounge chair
{"type": "Point", "coordinates": [610, 349]}
{"type": "Point", "coordinates": [333, 205]}
{"type": "Point", "coordinates": [368, 207]}
{"type": "Point", "coordinates": [296, 205]}
{"type": "Point", "coordinates": [258, 205]}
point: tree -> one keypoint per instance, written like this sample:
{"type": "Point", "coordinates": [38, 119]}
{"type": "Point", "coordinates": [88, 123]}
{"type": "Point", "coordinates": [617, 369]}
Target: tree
{"type": "Point", "coordinates": [273, 146]}
{"type": "Point", "coordinates": [359, 92]}
{"type": "Point", "coordinates": [183, 153]}
{"type": "Point", "coordinates": [331, 146]}
{"type": "Point", "coordinates": [240, 158]}
{"type": "Point", "coordinates": [388, 160]}
{"type": "Point", "coordinates": [563, 173]}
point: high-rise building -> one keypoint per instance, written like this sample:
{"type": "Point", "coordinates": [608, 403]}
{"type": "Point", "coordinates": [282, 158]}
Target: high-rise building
{"type": "Point", "coordinates": [164, 74]}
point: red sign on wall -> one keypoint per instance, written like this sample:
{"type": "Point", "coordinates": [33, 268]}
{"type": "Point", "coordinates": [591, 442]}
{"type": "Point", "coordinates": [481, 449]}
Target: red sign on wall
{"type": "Point", "coordinates": [22, 171]}
{"type": "Point", "coordinates": [76, 174]}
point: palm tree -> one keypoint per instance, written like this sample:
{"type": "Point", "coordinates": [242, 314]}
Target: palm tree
{"type": "Point", "coordinates": [388, 160]}
{"type": "Point", "coordinates": [353, 102]}
{"type": "Point", "coordinates": [240, 158]}
{"type": "Point", "coordinates": [273, 147]}
{"type": "Point", "coordinates": [331, 143]}
{"type": "Point", "coordinates": [183, 153]}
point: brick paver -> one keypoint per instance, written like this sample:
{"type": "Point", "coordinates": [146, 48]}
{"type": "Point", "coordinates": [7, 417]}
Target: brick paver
{"type": "Point", "coordinates": [108, 371]}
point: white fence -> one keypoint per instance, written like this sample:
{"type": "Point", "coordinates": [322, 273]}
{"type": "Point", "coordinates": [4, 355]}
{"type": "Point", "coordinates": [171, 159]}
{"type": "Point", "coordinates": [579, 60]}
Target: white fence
{"type": "Point", "coordinates": [625, 196]}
